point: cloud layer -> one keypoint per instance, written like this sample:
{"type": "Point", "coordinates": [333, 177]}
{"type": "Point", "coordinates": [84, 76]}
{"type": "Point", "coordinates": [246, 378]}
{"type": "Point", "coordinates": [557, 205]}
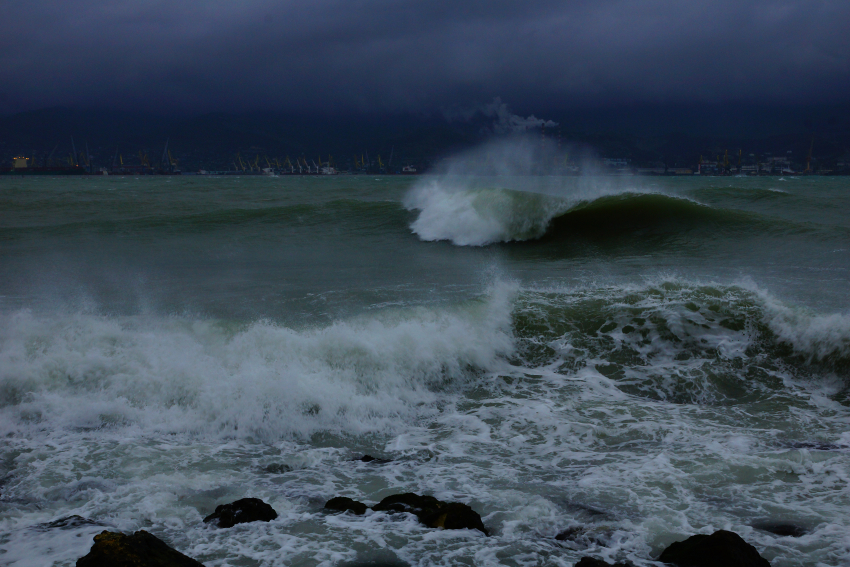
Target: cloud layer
{"type": "Point", "coordinates": [379, 55]}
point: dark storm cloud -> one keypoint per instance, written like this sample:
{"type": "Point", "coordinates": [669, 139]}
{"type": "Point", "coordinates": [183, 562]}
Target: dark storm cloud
{"type": "Point", "coordinates": [394, 55]}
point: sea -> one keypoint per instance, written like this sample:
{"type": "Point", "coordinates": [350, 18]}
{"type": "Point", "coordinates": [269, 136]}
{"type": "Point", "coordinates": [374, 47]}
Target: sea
{"type": "Point", "coordinates": [598, 365]}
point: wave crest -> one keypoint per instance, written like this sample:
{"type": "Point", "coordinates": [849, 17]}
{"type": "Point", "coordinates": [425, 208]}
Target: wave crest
{"type": "Point", "coordinates": [261, 380]}
{"type": "Point", "coordinates": [477, 217]}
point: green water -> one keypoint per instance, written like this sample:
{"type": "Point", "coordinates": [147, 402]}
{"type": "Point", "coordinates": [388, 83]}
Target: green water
{"type": "Point", "coordinates": [644, 358]}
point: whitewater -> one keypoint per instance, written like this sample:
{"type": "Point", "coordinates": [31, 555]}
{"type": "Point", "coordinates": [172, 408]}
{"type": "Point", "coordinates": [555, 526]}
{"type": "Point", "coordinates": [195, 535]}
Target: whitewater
{"type": "Point", "coordinates": [634, 359]}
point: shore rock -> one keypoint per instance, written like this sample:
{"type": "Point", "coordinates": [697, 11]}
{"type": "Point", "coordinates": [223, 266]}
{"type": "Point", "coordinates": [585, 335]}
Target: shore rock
{"type": "Point", "coordinates": [343, 504]}
{"type": "Point", "coordinates": [720, 549]}
{"type": "Point", "coordinates": [141, 549]}
{"type": "Point", "coordinates": [241, 512]}
{"type": "Point", "coordinates": [784, 530]}
{"type": "Point", "coordinates": [432, 512]}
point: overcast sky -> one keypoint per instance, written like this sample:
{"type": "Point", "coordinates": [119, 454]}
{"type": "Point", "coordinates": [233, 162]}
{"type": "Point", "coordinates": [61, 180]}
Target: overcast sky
{"type": "Point", "coordinates": [390, 55]}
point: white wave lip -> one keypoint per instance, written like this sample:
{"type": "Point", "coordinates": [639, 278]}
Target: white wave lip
{"type": "Point", "coordinates": [816, 337]}
{"type": "Point", "coordinates": [160, 375]}
{"type": "Point", "coordinates": [478, 216]}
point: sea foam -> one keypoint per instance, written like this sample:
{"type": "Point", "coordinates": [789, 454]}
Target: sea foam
{"type": "Point", "coordinates": [208, 377]}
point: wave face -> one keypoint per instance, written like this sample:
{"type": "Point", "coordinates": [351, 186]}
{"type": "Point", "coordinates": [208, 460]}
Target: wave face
{"type": "Point", "coordinates": [482, 216]}
{"type": "Point", "coordinates": [477, 217]}
{"type": "Point", "coordinates": [468, 212]}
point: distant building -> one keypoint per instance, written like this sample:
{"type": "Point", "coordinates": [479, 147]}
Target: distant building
{"type": "Point", "coordinates": [617, 163]}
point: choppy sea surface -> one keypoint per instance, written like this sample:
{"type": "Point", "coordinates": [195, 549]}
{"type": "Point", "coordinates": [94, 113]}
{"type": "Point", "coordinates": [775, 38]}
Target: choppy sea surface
{"type": "Point", "coordinates": [643, 358]}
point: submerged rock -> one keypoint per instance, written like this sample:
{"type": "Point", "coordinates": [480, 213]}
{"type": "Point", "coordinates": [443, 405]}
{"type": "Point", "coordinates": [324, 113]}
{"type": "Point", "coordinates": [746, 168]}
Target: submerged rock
{"type": "Point", "coordinates": [241, 512]}
{"type": "Point", "coordinates": [720, 549]}
{"type": "Point", "coordinates": [432, 512]}
{"type": "Point", "coordinates": [371, 459]}
{"type": "Point", "coordinates": [67, 523]}
{"type": "Point", "coordinates": [582, 536]}
{"type": "Point", "coordinates": [816, 446]}
{"type": "Point", "coordinates": [784, 530]}
{"type": "Point", "coordinates": [278, 468]}
{"type": "Point", "coordinates": [141, 549]}
{"type": "Point", "coordinates": [343, 504]}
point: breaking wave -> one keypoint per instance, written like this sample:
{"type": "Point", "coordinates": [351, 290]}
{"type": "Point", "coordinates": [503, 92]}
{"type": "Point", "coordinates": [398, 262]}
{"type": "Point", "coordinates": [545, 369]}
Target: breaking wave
{"type": "Point", "coordinates": [377, 374]}
{"type": "Point", "coordinates": [683, 342]}
{"type": "Point", "coordinates": [482, 216]}
{"type": "Point", "coordinates": [259, 380]}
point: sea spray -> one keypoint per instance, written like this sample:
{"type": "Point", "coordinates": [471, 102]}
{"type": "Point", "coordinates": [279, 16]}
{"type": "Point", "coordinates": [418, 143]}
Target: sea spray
{"type": "Point", "coordinates": [505, 191]}
{"type": "Point", "coordinates": [477, 217]}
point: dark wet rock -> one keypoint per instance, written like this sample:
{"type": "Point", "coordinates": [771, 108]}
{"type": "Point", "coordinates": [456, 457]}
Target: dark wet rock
{"type": "Point", "coordinates": [432, 512]}
{"type": "Point", "coordinates": [580, 507]}
{"type": "Point", "coordinates": [815, 446]}
{"type": "Point", "coordinates": [67, 523]}
{"type": "Point", "coordinates": [581, 536]}
{"type": "Point", "coordinates": [409, 502]}
{"type": "Point", "coordinates": [241, 512]}
{"type": "Point", "coordinates": [592, 562]}
{"type": "Point", "coordinates": [278, 468]}
{"type": "Point", "coordinates": [371, 459]}
{"type": "Point", "coordinates": [720, 549]}
{"type": "Point", "coordinates": [455, 516]}
{"type": "Point", "coordinates": [343, 504]}
{"type": "Point", "coordinates": [570, 534]}
{"type": "Point", "coordinates": [141, 549]}
{"type": "Point", "coordinates": [780, 529]}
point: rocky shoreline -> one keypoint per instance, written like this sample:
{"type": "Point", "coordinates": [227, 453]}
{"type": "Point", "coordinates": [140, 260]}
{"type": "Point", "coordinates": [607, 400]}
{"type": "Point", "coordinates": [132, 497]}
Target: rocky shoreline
{"type": "Point", "coordinates": [141, 549]}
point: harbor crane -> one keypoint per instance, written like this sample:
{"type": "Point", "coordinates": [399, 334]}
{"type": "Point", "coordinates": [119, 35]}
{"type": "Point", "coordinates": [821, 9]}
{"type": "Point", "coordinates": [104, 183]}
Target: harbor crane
{"type": "Point", "coordinates": [809, 157]}
{"type": "Point", "coordinates": [162, 162]}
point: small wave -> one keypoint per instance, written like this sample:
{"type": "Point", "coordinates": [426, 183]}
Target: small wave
{"type": "Point", "coordinates": [340, 210]}
{"type": "Point", "coordinates": [683, 342]}
{"type": "Point", "coordinates": [741, 192]}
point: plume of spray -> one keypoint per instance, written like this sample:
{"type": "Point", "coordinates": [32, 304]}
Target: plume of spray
{"type": "Point", "coordinates": [500, 118]}
{"type": "Point", "coordinates": [509, 189]}
{"type": "Point", "coordinates": [507, 122]}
